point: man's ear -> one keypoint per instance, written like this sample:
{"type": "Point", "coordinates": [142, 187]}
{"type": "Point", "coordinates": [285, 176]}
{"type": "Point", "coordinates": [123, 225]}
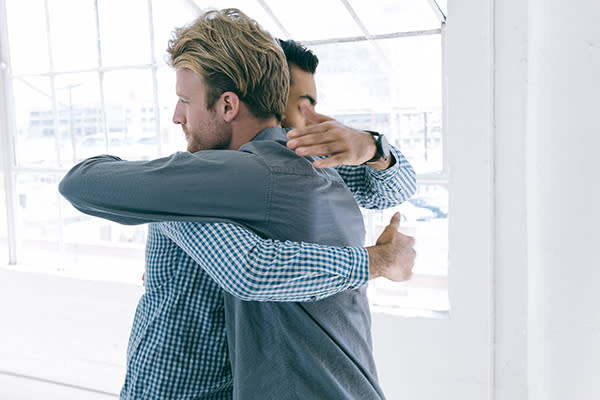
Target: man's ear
{"type": "Point", "coordinates": [231, 106]}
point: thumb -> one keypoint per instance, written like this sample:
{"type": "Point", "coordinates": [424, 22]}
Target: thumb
{"type": "Point", "coordinates": [313, 118]}
{"type": "Point", "coordinates": [395, 221]}
{"type": "Point", "coordinates": [389, 231]}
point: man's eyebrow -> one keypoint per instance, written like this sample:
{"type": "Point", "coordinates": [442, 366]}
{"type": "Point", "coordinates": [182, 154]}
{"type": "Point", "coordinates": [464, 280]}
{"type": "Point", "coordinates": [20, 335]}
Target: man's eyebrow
{"type": "Point", "coordinates": [309, 98]}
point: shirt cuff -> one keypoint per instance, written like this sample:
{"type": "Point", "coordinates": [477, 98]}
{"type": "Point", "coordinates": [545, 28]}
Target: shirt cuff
{"type": "Point", "coordinates": [390, 172]}
{"type": "Point", "coordinates": [359, 276]}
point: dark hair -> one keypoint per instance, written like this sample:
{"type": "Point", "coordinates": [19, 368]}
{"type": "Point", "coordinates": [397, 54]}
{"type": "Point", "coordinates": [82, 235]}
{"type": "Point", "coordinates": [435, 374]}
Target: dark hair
{"type": "Point", "coordinates": [297, 54]}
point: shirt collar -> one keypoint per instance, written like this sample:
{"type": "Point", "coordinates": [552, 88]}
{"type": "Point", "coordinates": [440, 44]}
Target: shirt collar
{"type": "Point", "coordinates": [273, 133]}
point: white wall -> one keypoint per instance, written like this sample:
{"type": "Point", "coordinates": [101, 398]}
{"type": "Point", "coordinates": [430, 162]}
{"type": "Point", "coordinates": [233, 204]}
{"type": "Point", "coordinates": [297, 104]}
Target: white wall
{"type": "Point", "coordinates": [510, 232]}
{"type": "Point", "coordinates": [453, 359]}
{"type": "Point", "coordinates": [544, 298]}
{"type": "Point", "coordinates": [563, 199]}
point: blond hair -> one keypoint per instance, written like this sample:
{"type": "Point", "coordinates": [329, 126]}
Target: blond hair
{"type": "Point", "coordinates": [233, 53]}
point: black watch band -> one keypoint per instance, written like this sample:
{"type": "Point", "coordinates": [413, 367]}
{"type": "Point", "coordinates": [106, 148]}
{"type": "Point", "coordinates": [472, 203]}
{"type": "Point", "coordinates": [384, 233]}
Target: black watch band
{"type": "Point", "coordinates": [382, 145]}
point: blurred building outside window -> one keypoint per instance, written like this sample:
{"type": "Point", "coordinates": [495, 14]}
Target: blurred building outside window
{"type": "Point", "coordinates": [76, 96]}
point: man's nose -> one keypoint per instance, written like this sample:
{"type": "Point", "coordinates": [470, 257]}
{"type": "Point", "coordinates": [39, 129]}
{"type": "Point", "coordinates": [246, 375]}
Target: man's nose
{"type": "Point", "coordinates": [178, 117]}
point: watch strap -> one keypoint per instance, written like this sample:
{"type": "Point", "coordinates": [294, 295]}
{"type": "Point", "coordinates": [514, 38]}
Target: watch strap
{"type": "Point", "coordinates": [382, 149]}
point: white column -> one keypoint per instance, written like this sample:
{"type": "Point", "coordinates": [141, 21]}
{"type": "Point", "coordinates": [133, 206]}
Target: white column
{"type": "Point", "coordinates": [510, 269]}
{"type": "Point", "coordinates": [563, 186]}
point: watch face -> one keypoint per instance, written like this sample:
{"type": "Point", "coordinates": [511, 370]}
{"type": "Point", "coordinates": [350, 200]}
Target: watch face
{"type": "Point", "coordinates": [385, 147]}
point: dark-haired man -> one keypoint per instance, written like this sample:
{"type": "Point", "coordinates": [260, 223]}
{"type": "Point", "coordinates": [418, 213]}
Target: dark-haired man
{"type": "Point", "coordinates": [319, 135]}
{"type": "Point", "coordinates": [302, 64]}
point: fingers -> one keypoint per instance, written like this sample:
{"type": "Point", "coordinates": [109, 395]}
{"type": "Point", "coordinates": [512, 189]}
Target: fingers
{"type": "Point", "coordinates": [311, 139]}
{"type": "Point", "coordinates": [343, 145]}
{"type": "Point", "coordinates": [311, 116]}
{"type": "Point", "coordinates": [323, 145]}
{"type": "Point", "coordinates": [326, 127]}
{"type": "Point", "coordinates": [317, 150]}
{"type": "Point", "coordinates": [319, 129]}
{"type": "Point", "coordinates": [329, 162]}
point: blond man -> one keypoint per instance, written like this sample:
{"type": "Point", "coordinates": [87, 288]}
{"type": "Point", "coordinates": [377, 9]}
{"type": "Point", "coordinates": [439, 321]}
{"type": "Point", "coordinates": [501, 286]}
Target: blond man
{"type": "Point", "coordinates": [232, 82]}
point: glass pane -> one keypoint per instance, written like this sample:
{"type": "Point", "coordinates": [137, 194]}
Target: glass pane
{"type": "Point", "coordinates": [430, 204]}
{"type": "Point", "coordinates": [115, 263]}
{"type": "Point", "coordinates": [94, 248]}
{"type": "Point", "coordinates": [425, 217]}
{"type": "Point", "coordinates": [77, 122]}
{"type": "Point", "coordinates": [130, 114]}
{"type": "Point", "coordinates": [254, 10]}
{"type": "Point", "coordinates": [294, 17]}
{"type": "Point", "coordinates": [422, 296]}
{"type": "Point", "coordinates": [392, 16]}
{"type": "Point", "coordinates": [167, 16]}
{"type": "Point", "coordinates": [74, 40]}
{"type": "Point", "coordinates": [79, 111]}
{"type": "Point", "coordinates": [393, 73]}
{"type": "Point", "coordinates": [124, 32]}
{"type": "Point", "coordinates": [419, 135]}
{"type": "Point", "coordinates": [27, 36]}
{"type": "Point", "coordinates": [443, 4]}
{"type": "Point", "coordinates": [80, 228]}
{"type": "Point", "coordinates": [172, 136]}
{"type": "Point", "coordinates": [3, 222]}
{"type": "Point", "coordinates": [394, 88]}
{"type": "Point", "coordinates": [35, 143]}
{"type": "Point", "coordinates": [37, 209]}
{"type": "Point", "coordinates": [54, 236]}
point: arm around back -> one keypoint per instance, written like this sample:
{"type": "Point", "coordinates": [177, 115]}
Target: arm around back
{"type": "Point", "coordinates": [203, 186]}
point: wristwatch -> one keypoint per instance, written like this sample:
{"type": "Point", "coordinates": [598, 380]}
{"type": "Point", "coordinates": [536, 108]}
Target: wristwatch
{"type": "Point", "coordinates": [383, 147]}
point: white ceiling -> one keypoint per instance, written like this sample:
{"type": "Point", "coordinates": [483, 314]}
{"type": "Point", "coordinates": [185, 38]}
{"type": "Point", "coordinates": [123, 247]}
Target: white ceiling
{"type": "Point", "coordinates": [310, 20]}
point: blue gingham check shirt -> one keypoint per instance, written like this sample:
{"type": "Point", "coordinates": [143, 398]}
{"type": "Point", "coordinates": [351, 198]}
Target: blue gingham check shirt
{"type": "Point", "coordinates": [178, 347]}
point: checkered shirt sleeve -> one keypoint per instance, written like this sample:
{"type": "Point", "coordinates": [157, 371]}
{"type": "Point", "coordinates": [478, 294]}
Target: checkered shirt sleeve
{"type": "Point", "coordinates": [375, 189]}
{"type": "Point", "coordinates": [252, 268]}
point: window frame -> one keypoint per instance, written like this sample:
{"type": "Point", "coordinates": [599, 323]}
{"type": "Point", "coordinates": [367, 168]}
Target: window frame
{"type": "Point", "coordinates": [12, 169]}
{"type": "Point", "coordinates": [8, 130]}
{"type": "Point", "coordinates": [418, 281]}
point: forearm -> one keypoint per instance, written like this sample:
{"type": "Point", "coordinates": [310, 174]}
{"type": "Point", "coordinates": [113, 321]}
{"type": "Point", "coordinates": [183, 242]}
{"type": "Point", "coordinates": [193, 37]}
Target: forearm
{"type": "Point", "coordinates": [180, 187]}
{"type": "Point", "coordinates": [256, 269]}
{"type": "Point", "coordinates": [379, 189]}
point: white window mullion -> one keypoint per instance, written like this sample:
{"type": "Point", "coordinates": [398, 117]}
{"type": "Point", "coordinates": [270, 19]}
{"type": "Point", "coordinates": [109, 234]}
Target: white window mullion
{"type": "Point", "coordinates": [55, 124]}
{"type": "Point", "coordinates": [154, 79]}
{"type": "Point", "coordinates": [84, 70]}
{"type": "Point", "coordinates": [7, 134]}
{"type": "Point", "coordinates": [445, 166]}
{"type": "Point", "coordinates": [101, 76]}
